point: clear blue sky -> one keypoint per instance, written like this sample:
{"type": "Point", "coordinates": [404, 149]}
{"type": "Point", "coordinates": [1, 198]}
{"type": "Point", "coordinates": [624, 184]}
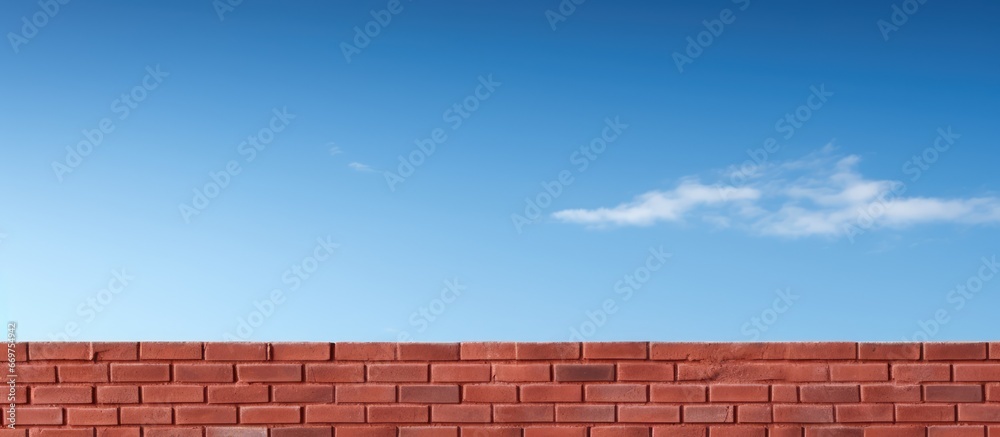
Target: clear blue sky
{"type": "Point", "coordinates": [167, 169]}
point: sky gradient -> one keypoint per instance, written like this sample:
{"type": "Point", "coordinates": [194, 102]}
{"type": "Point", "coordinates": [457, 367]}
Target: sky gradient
{"type": "Point", "coordinates": [486, 170]}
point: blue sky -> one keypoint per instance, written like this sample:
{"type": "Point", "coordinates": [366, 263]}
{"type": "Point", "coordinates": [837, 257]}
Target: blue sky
{"type": "Point", "coordinates": [444, 171]}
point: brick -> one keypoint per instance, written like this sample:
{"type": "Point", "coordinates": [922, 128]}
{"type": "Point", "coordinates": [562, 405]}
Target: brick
{"type": "Point", "coordinates": [616, 350]}
{"type": "Point", "coordinates": [784, 393]}
{"type": "Point", "coordinates": [96, 372]}
{"type": "Point", "coordinates": [523, 413]}
{"type": "Point", "coordinates": [864, 413]}
{"type": "Point", "coordinates": [330, 372]}
{"type": "Point", "coordinates": [461, 372]}
{"type": "Point", "coordinates": [79, 432]}
{"type": "Point", "coordinates": [555, 431]}
{"type": "Point", "coordinates": [235, 352]}
{"type": "Point", "coordinates": [488, 351]}
{"type": "Point", "coordinates": [35, 373]}
{"type": "Point", "coordinates": [302, 431]}
{"type": "Point", "coordinates": [364, 351]}
{"type": "Point", "coordinates": [646, 372]}
{"type": "Point", "coordinates": [141, 372]}
{"type": "Point", "coordinates": [429, 394]}
{"type": "Point", "coordinates": [301, 351]}
{"type": "Point", "coordinates": [925, 413]}
{"type": "Point", "coordinates": [461, 413]}
{"type": "Point", "coordinates": [64, 394]}
{"type": "Point", "coordinates": [956, 431]}
{"type": "Point", "coordinates": [953, 393]}
{"type": "Point", "coordinates": [753, 351]}
{"type": "Point", "coordinates": [492, 393]}
{"type": "Point", "coordinates": [39, 351]}
{"type": "Point", "coordinates": [548, 351]}
{"type": "Point", "coordinates": [995, 352]}
{"type": "Point", "coordinates": [678, 393]}
{"type": "Point", "coordinates": [269, 372]}
{"type": "Point", "coordinates": [522, 372]}
{"type": "Point", "coordinates": [617, 393]}
{"type": "Point", "coordinates": [754, 413]}
{"type": "Point", "coordinates": [830, 393]}
{"type": "Point", "coordinates": [649, 413]}
{"type": "Point", "coordinates": [795, 431]}
{"type": "Point", "coordinates": [748, 372]}
{"type": "Point", "coordinates": [859, 372]}
{"type": "Point", "coordinates": [833, 431]}
{"type": "Point", "coordinates": [680, 431]}
{"type": "Point", "coordinates": [954, 351]}
{"type": "Point", "coordinates": [585, 413]}
{"type": "Point", "coordinates": [428, 431]}
{"type": "Point", "coordinates": [921, 372]}
{"type": "Point", "coordinates": [367, 431]}
{"type": "Point", "coordinates": [115, 351]}
{"type": "Point", "coordinates": [398, 414]}
{"type": "Point", "coordinates": [170, 351]}
{"type": "Point", "coordinates": [619, 431]}
{"type": "Point", "coordinates": [993, 392]}
{"type": "Point", "coordinates": [977, 372]}
{"type": "Point", "coordinates": [979, 413]}
{"type": "Point", "coordinates": [306, 393]}
{"type": "Point", "coordinates": [427, 352]}
{"type": "Point", "coordinates": [487, 431]}
{"type": "Point", "coordinates": [154, 394]}
{"type": "Point", "coordinates": [894, 431]}
{"type": "Point", "coordinates": [334, 413]}
{"type": "Point", "coordinates": [204, 414]}
{"type": "Point", "coordinates": [237, 394]}
{"type": "Point", "coordinates": [708, 413]}
{"type": "Point", "coordinates": [890, 393]}
{"type": "Point", "coordinates": [737, 431]}
{"type": "Point", "coordinates": [584, 372]}
{"type": "Point", "coordinates": [91, 416]}
{"type": "Point", "coordinates": [889, 351]}
{"type": "Point", "coordinates": [203, 372]}
{"type": "Point", "coordinates": [121, 431]}
{"type": "Point", "coordinates": [803, 413]}
{"type": "Point", "coordinates": [398, 372]}
{"type": "Point", "coordinates": [235, 431]}
{"type": "Point", "coordinates": [367, 393]}
{"type": "Point", "coordinates": [270, 414]}
{"type": "Point", "coordinates": [146, 415]}
{"type": "Point", "coordinates": [551, 393]}
{"type": "Point", "coordinates": [38, 416]}
{"type": "Point", "coordinates": [172, 431]}
{"type": "Point", "coordinates": [738, 393]}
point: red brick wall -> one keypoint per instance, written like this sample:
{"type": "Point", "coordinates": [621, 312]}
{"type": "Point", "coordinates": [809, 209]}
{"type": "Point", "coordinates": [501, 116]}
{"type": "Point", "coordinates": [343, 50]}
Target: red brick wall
{"type": "Point", "coordinates": [507, 389]}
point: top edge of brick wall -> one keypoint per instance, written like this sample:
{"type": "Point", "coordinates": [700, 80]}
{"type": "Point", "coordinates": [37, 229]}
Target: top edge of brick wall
{"type": "Point", "coordinates": [500, 351]}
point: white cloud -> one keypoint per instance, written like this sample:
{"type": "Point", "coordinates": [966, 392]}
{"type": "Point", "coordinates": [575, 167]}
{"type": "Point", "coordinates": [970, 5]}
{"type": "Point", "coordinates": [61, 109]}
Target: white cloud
{"type": "Point", "coordinates": [820, 194]}
{"type": "Point", "coordinates": [360, 167]}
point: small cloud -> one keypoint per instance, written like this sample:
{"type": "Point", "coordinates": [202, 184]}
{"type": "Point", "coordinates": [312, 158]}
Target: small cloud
{"type": "Point", "coordinates": [334, 150]}
{"type": "Point", "coordinates": [360, 167]}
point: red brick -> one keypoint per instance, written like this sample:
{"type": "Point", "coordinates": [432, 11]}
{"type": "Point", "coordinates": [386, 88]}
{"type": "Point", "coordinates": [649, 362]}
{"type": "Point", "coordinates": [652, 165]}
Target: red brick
{"type": "Point", "coordinates": [398, 372]}
{"type": "Point", "coordinates": [39, 351]}
{"type": "Point", "coordinates": [953, 393]}
{"type": "Point", "coordinates": [398, 414]}
{"type": "Point", "coordinates": [747, 372]}
{"type": "Point", "coordinates": [523, 413]}
{"type": "Point", "coordinates": [864, 413]}
{"type": "Point", "coordinates": [427, 352]}
{"type": "Point", "coordinates": [154, 394]}
{"type": "Point", "coordinates": [737, 431]}
{"type": "Point", "coordinates": [91, 416]}
{"type": "Point", "coordinates": [235, 431]}
{"type": "Point", "coordinates": [794, 431]}
{"type": "Point", "coordinates": [708, 413]}
{"type": "Point", "coordinates": [309, 393]}
{"type": "Point", "coordinates": [995, 352]}
{"type": "Point", "coordinates": [832, 431]}
{"type": "Point", "coordinates": [889, 351]}
{"type": "Point", "coordinates": [618, 350]}
{"type": "Point", "coordinates": [979, 413]}
{"type": "Point", "coordinates": [429, 394]}
{"type": "Point", "coordinates": [300, 351]}
{"type": "Point", "coordinates": [754, 413]}
{"type": "Point", "coordinates": [63, 394]}
{"type": "Point", "coordinates": [204, 414]}
{"type": "Point", "coordinates": [302, 431]}
{"type": "Point", "coordinates": [555, 431]}
{"type": "Point", "coordinates": [738, 393]}
{"type": "Point", "coordinates": [38, 416]}
{"type": "Point", "coordinates": [784, 393]}
{"type": "Point", "coordinates": [548, 351]}
{"type": "Point", "coordinates": [330, 372]}
{"type": "Point", "coordinates": [269, 372]}
{"type": "Point", "coordinates": [428, 431]}
{"type": "Point", "coordinates": [619, 431]}
{"type": "Point", "coordinates": [115, 351]}
{"type": "Point", "coordinates": [649, 413]}
{"type": "Point", "coordinates": [364, 351]}
{"type": "Point", "coordinates": [977, 372]}
{"type": "Point", "coordinates": [142, 372]}
{"type": "Point", "coordinates": [488, 351]}
{"type": "Point", "coordinates": [859, 372]}
{"type": "Point", "coordinates": [367, 431]}
{"type": "Point", "coordinates": [460, 372]}
{"type": "Point", "coordinates": [680, 431]}
{"type": "Point", "coordinates": [584, 372]}
{"type": "Point", "coordinates": [96, 372]}
{"type": "Point", "coordinates": [585, 413]}
{"type": "Point", "coordinates": [170, 351]}
{"type": "Point", "coordinates": [78, 432]}
{"type": "Point", "coordinates": [890, 393]}
{"type": "Point", "coordinates": [921, 372]}
{"type": "Point", "coordinates": [753, 351]}
{"type": "Point", "coordinates": [993, 392]}
{"type": "Point", "coordinates": [803, 413]}
{"type": "Point", "coordinates": [172, 431]}
{"type": "Point", "coordinates": [956, 431]}
{"type": "Point", "coordinates": [269, 414]}
{"type": "Point", "coordinates": [678, 393]}
{"type": "Point", "coordinates": [235, 352]}
{"type": "Point", "coordinates": [491, 393]}
{"type": "Point", "coordinates": [366, 393]}
{"type": "Point", "coordinates": [31, 373]}
{"type": "Point", "coordinates": [146, 415]}
{"type": "Point", "coordinates": [522, 372]}
{"type": "Point", "coordinates": [237, 394]}
{"type": "Point", "coordinates": [925, 413]}
{"type": "Point", "coordinates": [460, 413]}
{"type": "Point", "coordinates": [894, 431]}
{"type": "Point", "coordinates": [615, 393]}
{"type": "Point", "coordinates": [551, 393]}
{"type": "Point", "coordinates": [203, 372]}
{"type": "Point", "coordinates": [646, 372]}
{"type": "Point", "coordinates": [334, 413]}
{"type": "Point", "coordinates": [487, 431]}
{"type": "Point", "coordinates": [830, 393]}
{"type": "Point", "coordinates": [954, 351]}
{"type": "Point", "coordinates": [122, 431]}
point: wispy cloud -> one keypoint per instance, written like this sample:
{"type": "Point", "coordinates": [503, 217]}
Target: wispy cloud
{"type": "Point", "coordinates": [334, 150]}
{"type": "Point", "coordinates": [360, 167]}
{"type": "Point", "coordinates": [820, 194]}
